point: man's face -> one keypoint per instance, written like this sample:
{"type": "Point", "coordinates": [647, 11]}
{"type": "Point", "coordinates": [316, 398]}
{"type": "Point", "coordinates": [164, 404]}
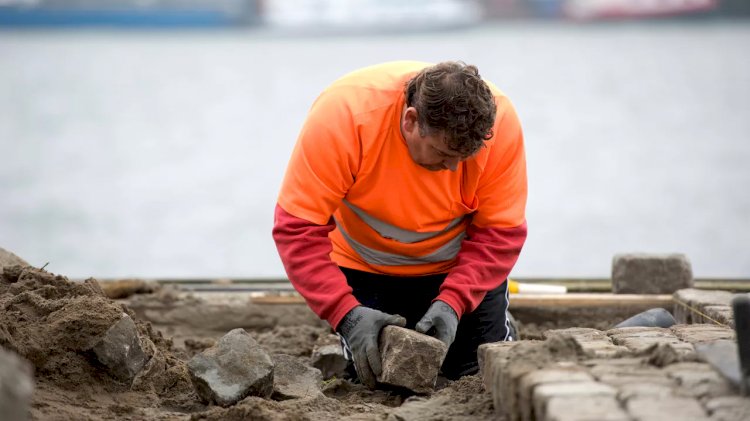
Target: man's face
{"type": "Point", "coordinates": [428, 150]}
{"type": "Point", "coordinates": [431, 152]}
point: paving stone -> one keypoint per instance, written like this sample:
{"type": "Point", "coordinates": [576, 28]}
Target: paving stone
{"type": "Point", "coordinates": [330, 360]}
{"type": "Point", "coordinates": [560, 373]}
{"type": "Point", "coordinates": [410, 359]}
{"type": "Point", "coordinates": [729, 408]}
{"type": "Point", "coordinates": [582, 333]}
{"type": "Point", "coordinates": [231, 370]}
{"type": "Point", "coordinates": [698, 380]}
{"type": "Point", "coordinates": [665, 408]}
{"type": "Point", "coordinates": [586, 390]}
{"type": "Point", "coordinates": [698, 300]}
{"type": "Point", "coordinates": [16, 386]}
{"type": "Point", "coordinates": [294, 380]}
{"type": "Point", "coordinates": [622, 375]}
{"type": "Point", "coordinates": [120, 350]}
{"type": "Point", "coordinates": [505, 391]}
{"type": "Point", "coordinates": [647, 389]}
{"type": "Point", "coordinates": [719, 313]}
{"type": "Point", "coordinates": [591, 408]}
{"type": "Point", "coordinates": [491, 356]}
{"type": "Point", "coordinates": [640, 273]}
{"type": "Point", "coordinates": [699, 333]}
{"type": "Point", "coordinates": [603, 349]}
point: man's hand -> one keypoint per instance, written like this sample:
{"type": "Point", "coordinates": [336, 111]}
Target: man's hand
{"type": "Point", "coordinates": [440, 321]}
{"type": "Point", "coordinates": [360, 328]}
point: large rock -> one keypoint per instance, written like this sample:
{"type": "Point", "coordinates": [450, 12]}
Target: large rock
{"type": "Point", "coordinates": [330, 360]}
{"type": "Point", "coordinates": [120, 350]}
{"type": "Point", "coordinates": [233, 369]}
{"type": "Point", "coordinates": [410, 359]}
{"type": "Point", "coordinates": [16, 387]}
{"type": "Point", "coordinates": [294, 380]}
{"type": "Point", "coordinates": [650, 273]}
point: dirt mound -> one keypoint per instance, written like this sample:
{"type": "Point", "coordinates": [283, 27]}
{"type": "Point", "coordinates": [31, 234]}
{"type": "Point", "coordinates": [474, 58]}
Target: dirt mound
{"type": "Point", "coordinates": [54, 323]}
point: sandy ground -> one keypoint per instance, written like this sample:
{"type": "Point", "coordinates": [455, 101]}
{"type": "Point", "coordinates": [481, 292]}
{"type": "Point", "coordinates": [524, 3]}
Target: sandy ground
{"type": "Point", "coordinates": [52, 322]}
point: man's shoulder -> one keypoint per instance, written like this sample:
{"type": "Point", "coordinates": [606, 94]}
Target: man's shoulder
{"type": "Point", "coordinates": [388, 77]}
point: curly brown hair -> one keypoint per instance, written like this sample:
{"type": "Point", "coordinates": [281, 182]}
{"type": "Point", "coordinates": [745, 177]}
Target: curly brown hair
{"type": "Point", "coordinates": [451, 98]}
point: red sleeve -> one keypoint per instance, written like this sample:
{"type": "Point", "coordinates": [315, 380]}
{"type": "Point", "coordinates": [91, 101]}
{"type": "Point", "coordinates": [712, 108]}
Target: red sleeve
{"type": "Point", "coordinates": [486, 258]}
{"type": "Point", "coordinates": [305, 250]}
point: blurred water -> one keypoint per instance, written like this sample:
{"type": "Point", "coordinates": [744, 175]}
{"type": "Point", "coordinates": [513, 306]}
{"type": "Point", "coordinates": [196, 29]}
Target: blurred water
{"type": "Point", "coordinates": [160, 154]}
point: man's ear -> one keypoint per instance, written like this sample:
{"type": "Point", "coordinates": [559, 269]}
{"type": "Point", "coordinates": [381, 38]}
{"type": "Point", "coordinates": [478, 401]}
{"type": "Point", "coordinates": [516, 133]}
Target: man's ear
{"type": "Point", "coordinates": [410, 122]}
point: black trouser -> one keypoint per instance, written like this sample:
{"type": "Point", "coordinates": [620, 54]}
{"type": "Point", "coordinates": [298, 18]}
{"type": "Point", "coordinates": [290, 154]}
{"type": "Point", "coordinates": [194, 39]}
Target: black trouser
{"type": "Point", "coordinates": [411, 297]}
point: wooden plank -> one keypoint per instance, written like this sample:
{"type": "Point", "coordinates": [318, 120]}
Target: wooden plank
{"type": "Point", "coordinates": [589, 300]}
{"type": "Point", "coordinates": [533, 300]}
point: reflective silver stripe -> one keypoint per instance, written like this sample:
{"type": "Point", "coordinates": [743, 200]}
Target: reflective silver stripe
{"type": "Point", "coordinates": [376, 257]}
{"type": "Point", "coordinates": [393, 232]}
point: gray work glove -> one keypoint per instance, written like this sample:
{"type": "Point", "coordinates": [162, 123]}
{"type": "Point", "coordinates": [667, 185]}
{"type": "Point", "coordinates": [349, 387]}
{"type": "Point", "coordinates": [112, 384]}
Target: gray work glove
{"type": "Point", "coordinates": [440, 321]}
{"type": "Point", "coordinates": [360, 329]}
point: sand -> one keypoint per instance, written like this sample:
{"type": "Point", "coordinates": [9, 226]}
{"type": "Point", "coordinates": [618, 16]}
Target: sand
{"type": "Point", "coordinates": [53, 323]}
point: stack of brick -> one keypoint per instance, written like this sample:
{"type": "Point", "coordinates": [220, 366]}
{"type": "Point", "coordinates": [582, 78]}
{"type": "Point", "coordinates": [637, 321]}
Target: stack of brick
{"type": "Point", "coordinates": [701, 306]}
{"type": "Point", "coordinates": [610, 378]}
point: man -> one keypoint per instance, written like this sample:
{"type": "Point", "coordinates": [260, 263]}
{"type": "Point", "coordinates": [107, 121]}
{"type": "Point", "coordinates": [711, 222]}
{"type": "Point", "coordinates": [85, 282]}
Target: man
{"type": "Point", "coordinates": [404, 204]}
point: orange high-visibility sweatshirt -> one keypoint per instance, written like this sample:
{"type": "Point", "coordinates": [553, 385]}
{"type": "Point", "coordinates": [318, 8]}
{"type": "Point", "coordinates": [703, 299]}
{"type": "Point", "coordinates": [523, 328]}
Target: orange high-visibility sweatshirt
{"type": "Point", "coordinates": [353, 197]}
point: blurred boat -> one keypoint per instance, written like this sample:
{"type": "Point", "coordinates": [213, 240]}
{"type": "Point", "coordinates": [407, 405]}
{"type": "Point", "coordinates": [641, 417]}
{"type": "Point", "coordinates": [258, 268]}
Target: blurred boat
{"type": "Point", "coordinates": [625, 9]}
{"type": "Point", "coordinates": [369, 15]}
{"type": "Point", "coordinates": [128, 13]}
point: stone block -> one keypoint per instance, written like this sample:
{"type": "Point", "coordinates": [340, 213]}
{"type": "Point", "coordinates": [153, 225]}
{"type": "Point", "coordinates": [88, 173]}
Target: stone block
{"type": "Point", "coordinates": [690, 303]}
{"type": "Point", "coordinates": [584, 390]}
{"type": "Point", "coordinates": [231, 370]}
{"type": "Point", "coordinates": [641, 273]}
{"type": "Point", "coordinates": [294, 380]}
{"type": "Point", "coordinates": [698, 380]}
{"type": "Point", "coordinates": [329, 359]}
{"type": "Point", "coordinates": [561, 373]}
{"type": "Point", "coordinates": [490, 357]}
{"type": "Point", "coordinates": [701, 333]}
{"type": "Point", "coordinates": [596, 408]}
{"type": "Point", "coordinates": [728, 408]}
{"type": "Point", "coordinates": [665, 408]}
{"type": "Point", "coordinates": [120, 350]}
{"type": "Point", "coordinates": [615, 375]}
{"type": "Point", "coordinates": [646, 388]}
{"type": "Point", "coordinates": [410, 359]}
{"type": "Point", "coordinates": [16, 386]}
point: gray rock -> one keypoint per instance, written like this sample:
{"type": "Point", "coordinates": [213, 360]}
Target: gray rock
{"type": "Point", "coordinates": [293, 380]}
{"type": "Point", "coordinates": [410, 359]}
{"type": "Point", "coordinates": [655, 317]}
{"type": "Point", "coordinates": [16, 387]}
{"type": "Point", "coordinates": [650, 273]}
{"type": "Point", "coordinates": [120, 350]}
{"type": "Point", "coordinates": [231, 370]}
{"type": "Point", "coordinates": [329, 359]}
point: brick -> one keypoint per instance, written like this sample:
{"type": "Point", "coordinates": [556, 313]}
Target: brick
{"type": "Point", "coordinates": [640, 273]}
{"type": "Point", "coordinates": [596, 408]}
{"type": "Point", "coordinates": [410, 359]}
{"type": "Point", "coordinates": [729, 408]}
{"type": "Point", "coordinates": [665, 408]}
{"type": "Point", "coordinates": [490, 356]}
{"type": "Point", "coordinates": [700, 333]}
{"type": "Point", "coordinates": [698, 380]}
{"type": "Point", "coordinates": [561, 373]}
{"type": "Point", "coordinates": [585, 390]}
{"type": "Point", "coordinates": [646, 388]}
{"type": "Point", "coordinates": [698, 300]}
